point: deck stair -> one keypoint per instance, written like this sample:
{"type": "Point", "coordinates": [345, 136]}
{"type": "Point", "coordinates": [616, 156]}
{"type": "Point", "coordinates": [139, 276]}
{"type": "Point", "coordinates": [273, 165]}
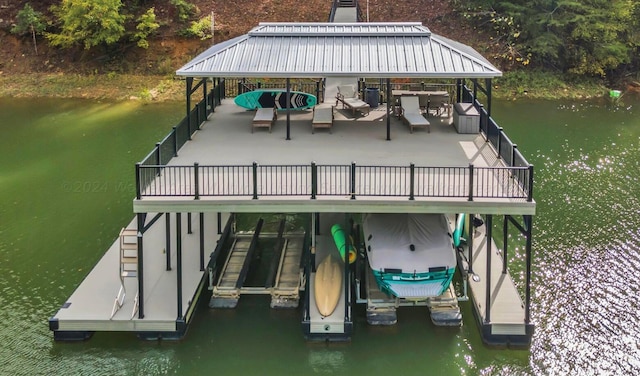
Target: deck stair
{"type": "Point", "coordinates": [128, 267]}
{"type": "Point", "coordinates": [346, 3]}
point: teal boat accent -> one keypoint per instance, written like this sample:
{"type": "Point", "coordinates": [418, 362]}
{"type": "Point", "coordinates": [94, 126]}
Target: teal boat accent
{"type": "Point", "coordinates": [458, 233]}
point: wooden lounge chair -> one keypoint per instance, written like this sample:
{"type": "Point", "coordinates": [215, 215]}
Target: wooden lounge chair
{"type": "Point", "coordinates": [264, 118]}
{"type": "Point", "coordinates": [348, 95]}
{"type": "Point", "coordinates": [410, 112]}
{"type": "Point", "coordinates": [322, 118]}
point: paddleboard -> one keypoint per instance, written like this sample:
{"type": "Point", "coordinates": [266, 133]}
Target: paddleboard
{"type": "Point", "coordinates": [327, 285]}
{"type": "Point", "coordinates": [270, 98]}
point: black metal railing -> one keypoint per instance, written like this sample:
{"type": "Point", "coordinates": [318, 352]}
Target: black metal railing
{"type": "Point", "coordinates": [350, 181]}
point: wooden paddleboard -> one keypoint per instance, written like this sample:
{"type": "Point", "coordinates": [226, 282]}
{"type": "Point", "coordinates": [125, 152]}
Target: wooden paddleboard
{"type": "Point", "coordinates": [270, 98]}
{"type": "Point", "coordinates": [327, 285]}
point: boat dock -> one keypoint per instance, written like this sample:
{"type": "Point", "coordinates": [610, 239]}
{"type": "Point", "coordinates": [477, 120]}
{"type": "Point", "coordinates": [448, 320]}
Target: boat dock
{"type": "Point", "coordinates": [213, 165]}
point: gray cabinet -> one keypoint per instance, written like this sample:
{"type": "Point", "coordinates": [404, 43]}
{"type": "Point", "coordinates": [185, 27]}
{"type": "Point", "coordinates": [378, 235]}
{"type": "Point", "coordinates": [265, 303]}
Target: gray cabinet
{"type": "Point", "coordinates": [466, 118]}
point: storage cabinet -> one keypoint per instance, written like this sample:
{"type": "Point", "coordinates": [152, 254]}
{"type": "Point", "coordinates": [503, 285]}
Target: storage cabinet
{"type": "Point", "coordinates": [466, 118]}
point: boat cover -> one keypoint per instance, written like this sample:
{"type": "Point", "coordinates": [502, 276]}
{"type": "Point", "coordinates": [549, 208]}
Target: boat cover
{"type": "Point", "coordinates": [389, 239]}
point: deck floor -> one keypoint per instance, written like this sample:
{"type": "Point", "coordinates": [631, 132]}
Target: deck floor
{"type": "Point", "coordinates": [89, 307]}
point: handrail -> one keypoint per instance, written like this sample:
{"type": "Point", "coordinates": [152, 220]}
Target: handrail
{"type": "Point", "coordinates": [259, 181]}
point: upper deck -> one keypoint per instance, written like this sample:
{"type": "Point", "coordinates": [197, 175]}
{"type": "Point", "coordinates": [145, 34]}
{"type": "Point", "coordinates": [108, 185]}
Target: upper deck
{"type": "Point", "coordinates": [227, 168]}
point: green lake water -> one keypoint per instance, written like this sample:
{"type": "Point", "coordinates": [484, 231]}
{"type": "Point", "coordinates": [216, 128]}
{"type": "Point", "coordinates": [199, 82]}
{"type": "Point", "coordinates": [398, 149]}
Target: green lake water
{"type": "Point", "coordinates": [66, 188]}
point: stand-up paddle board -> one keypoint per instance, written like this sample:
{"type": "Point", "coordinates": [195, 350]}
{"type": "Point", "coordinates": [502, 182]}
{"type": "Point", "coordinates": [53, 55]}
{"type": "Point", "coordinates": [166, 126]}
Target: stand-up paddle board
{"type": "Point", "coordinates": [270, 98]}
{"type": "Point", "coordinates": [327, 285]}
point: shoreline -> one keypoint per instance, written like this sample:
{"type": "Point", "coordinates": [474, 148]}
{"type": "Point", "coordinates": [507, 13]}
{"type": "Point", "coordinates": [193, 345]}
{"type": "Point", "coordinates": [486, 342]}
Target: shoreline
{"type": "Point", "coordinates": [512, 86]}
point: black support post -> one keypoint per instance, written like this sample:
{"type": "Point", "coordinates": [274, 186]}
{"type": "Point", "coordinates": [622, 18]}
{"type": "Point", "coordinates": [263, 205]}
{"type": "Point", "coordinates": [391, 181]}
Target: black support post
{"type": "Point", "coordinates": [528, 223]}
{"type": "Point", "coordinates": [188, 94]}
{"type": "Point", "coordinates": [140, 266]}
{"type": "Point", "coordinates": [288, 108]}
{"type": "Point", "coordinates": [487, 308]}
{"type": "Point", "coordinates": [201, 242]}
{"type": "Point", "coordinates": [505, 239]}
{"type": "Point", "coordinates": [167, 245]}
{"type": "Point", "coordinates": [389, 99]}
{"type": "Point", "coordinates": [179, 263]}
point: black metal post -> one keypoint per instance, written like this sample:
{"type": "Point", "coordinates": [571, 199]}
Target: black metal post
{"type": "Point", "coordinates": [528, 222]}
{"type": "Point", "coordinates": [505, 230]}
{"type": "Point", "coordinates": [255, 180]}
{"type": "Point", "coordinates": [314, 180]}
{"type": "Point", "coordinates": [188, 94]}
{"type": "Point", "coordinates": [389, 99]}
{"type": "Point", "coordinates": [470, 182]}
{"type": "Point", "coordinates": [412, 169]}
{"type": "Point", "coordinates": [487, 83]}
{"type": "Point", "coordinates": [179, 263]}
{"type": "Point", "coordinates": [219, 223]}
{"type": "Point", "coordinates": [201, 241]}
{"type": "Point", "coordinates": [487, 308]}
{"type": "Point", "coordinates": [167, 241]}
{"type": "Point", "coordinates": [288, 108]}
{"type": "Point", "coordinates": [353, 181]}
{"type": "Point", "coordinates": [470, 237]}
{"type": "Point", "coordinates": [140, 266]}
{"type": "Point", "coordinates": [196, 181]}
{"type": "Point", "coordinates": [204, 98]}
{"type": "Point", "coordinates": [175, 141]}
{"type": "Point", "coordinates": [138, 188]}
{"type": "Point", "coordinates": [189, 229]}
{"type": "Point", "coordinates": [530, 195]}
{"type": "Point", "coordinates": [158, 156]}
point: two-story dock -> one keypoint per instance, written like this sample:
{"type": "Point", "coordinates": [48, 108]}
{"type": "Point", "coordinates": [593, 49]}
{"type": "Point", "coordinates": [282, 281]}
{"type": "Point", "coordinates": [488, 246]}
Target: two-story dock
{"type": "Point", "coordinates": [214, 165]}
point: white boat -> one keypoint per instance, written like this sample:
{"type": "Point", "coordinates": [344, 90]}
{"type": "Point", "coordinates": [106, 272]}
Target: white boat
{"type": "Point", "coordinates": [411, 255]}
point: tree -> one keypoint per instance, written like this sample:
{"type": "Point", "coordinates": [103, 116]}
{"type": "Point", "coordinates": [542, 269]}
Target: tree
{"type": "Point", "coordinates": [585, 37]}
{"type": "Point", "coordinates": [88, 23]}
{"type": "Point", "coordinates": [29, 21]}
{"type": "Point", "coordinates": [146, 25]}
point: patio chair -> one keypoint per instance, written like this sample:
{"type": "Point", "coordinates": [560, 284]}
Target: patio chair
{"type": "Point", "coordinates": [348, 95]}
{"type": "Point", "coordinates": [322, 118]}
{"type": "Point", "coordinates": [410, 112]}
{"type": "Point", "coordinates": [264, 118]}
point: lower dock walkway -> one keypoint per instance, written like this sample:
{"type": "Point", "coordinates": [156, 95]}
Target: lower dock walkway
{"type": "Point", "coordinates": [90, 308]}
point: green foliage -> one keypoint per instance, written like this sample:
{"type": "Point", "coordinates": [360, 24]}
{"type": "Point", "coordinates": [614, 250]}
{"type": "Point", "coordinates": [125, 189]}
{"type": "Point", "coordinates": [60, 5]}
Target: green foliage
{"type": "Point", "coordinates": [29, 21]}
{"type": "Point", "coordinates": [588, 37]}
{"type": "Point", "coordinates": [146, 25]}
{"type": "Point", "coordinates": [184, 8]}
{"type": "Point", "coordinates": [200, 29]}
{"type": "Point", "coordinates": [88, 23]}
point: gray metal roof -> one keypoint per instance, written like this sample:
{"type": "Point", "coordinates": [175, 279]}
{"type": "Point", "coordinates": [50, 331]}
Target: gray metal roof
{"type": "Point", "coordinates": [378, 50]}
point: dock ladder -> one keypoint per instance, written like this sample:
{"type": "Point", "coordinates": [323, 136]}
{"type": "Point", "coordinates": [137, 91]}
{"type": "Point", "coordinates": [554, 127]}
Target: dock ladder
{"type": "Point", "coordinates": [128, 267]}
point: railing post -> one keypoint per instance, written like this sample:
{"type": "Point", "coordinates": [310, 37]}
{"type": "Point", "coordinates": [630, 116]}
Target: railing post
{"type": "Point", "coordinates": [158, 159]}
{"type": "Point", "coordinates": [470, 182]}
{"type": "Point", "coordinates": [314, 180]}
{"type": "Point", "coordinates": [530, 195]}
{"type": "Point", "coordinates": [513, 155]}
{"type": "Point", "coordinates": [196, 180]}
{"type": "Point", "coordinates": [353, 181]}
{"type": "Point", "coordinates": [175, 141]}
{"type": "Point", "coordinates": [412, 169]}
{"type": "Point", "coordinates": [255, 180]}
{"type": "Point", "coordinates": [487, 302]}
{"type": "Point", "coordinates": [499, 142]}
{"type": "Point", "coordinates": [138, 188]}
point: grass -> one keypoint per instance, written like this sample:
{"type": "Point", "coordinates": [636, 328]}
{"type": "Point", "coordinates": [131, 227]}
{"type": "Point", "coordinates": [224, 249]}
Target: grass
{"type": "Point", "coordinates": [545, 85]}
{"type": "Point", "coordinates": [109, 86]}
{"type": "Point", "coordinates": [513, 85]}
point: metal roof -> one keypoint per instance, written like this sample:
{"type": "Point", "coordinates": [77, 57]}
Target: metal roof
{"type": "Point", "coordinates": [379, 50]}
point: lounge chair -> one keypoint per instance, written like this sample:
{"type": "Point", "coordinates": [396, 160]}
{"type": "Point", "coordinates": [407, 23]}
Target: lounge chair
{"type": "Point", "coordinates": [322, 118]}
{"type": "Point", "coordinates": [264, 118]}
{"type": "Point", "coordinates": [410, 112]}
{"type": "Point", "coordinates": [348, 95]}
